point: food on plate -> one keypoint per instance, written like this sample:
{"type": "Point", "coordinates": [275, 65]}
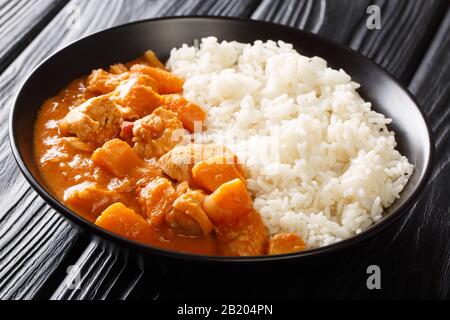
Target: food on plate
{"type": "Point", "coordinates": [229, 149]}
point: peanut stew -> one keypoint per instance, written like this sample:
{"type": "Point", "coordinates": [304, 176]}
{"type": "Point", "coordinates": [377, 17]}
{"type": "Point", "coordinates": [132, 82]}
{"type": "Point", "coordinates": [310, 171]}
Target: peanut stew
{"type": "Point", "coordinates": [116, 148]}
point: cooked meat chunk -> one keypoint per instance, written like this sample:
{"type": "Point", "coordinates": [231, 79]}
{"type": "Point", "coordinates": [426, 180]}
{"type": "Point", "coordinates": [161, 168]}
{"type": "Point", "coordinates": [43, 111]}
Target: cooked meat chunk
{"type": "Point", "coordinates": [117, 157]}
{"type": "Point", "coordinates": [126, 131]}
{"type": "Point", "coordinates": [137, 93]}
{"type": "Point", "coordinates": [286, 243]}
{"type": "Point", "coordinates": [127, 113]}
{"type": "Point", "coordinates": [188, 217]}
{"type": "Point", "coordinates": [152, 59]}
{"type": "Point", "coordinates": [129, 172]}
{"type": "Point", "coordinates": [168, 83]}
{"type": "Point", "coordinates": [179, 162]}
{"type": "Point", "coordinates": [156, 200]}
{"type": "Point", "coordinates": [75, 144]}
{"type": "Point", "coordinates": [124, 221]}
{"type": "Point", "coordinates": [246, 238]}
{"type": "Point", "coordinates": [89, 197]}
{"type": "Point", "coordinates": [191, 115]}
{"type": "Point", "coordinates": [95, 121]}
{"type": "Point", "coordinates": [104, 82]}
{"type": "Point", "coordinates": [157, 134]}
{"type": "Point", "coordinates": [210, 174]}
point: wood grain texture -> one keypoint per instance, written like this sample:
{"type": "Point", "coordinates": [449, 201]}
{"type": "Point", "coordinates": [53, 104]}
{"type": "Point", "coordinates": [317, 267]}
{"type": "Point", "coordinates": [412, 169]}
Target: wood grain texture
{"type": "Point", "coordinates": [20, 21]}
{"type": "Point", "coordinates": [424, 234]}
{"type": "Point", "coordinates": [99, 275]}
{"type": "Point", "coordinates": [37, 245]}
{"type": "Point", "coordinates": [406, 26]}
{"type": "Point", "coordinates": [21, 206]}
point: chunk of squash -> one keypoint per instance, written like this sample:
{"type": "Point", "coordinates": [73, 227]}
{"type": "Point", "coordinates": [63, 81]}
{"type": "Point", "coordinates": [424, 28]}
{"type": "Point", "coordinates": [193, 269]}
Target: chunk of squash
{"type": "Point", "coordinates": [168, 82]}
{"type": "Point", "coordinates": [137, 93]}
{"type": "Point", "coordinates": [121, 220]}
{"type": "Point", "coordinates": [286, 243]}
{"type": "Point", "coordinates": [156, 200]}
{"type": "Point", "coordinates": [117, 157]}
{"type": "Point", "coordinates": [214, 172]}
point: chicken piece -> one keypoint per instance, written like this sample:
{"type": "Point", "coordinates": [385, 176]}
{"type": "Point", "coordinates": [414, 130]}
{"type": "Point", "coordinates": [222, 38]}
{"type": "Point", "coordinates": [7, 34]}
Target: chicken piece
{"type": "Point", "coordinates": [228, 203]}
{"type": "Point", "coordinates": [179, 162]}
{"type": "Point", "coordinates": [239, 229]}
{"type": "Point", "coordinates": [89, 197]}
{"type": "Point", "coordinates": [188, 217]}
{"type": "Point", "coordinates": [183, 187]}
{"type": "Point", "coordinates": [286, 243]}
{"type": "Point", "coordinates": [117, 157]}
{"type": "Point", "coordinates": [191, 115]}
{"type": "Point", "coordinates": [74, 143]}
{"type": "Point", "coordinates": [156, 200]}
{"type": "Point", "coordinates": [246, 238]}
{"type": "Point", "coordinates": [210, 174]}
{"type": "Point", "coordinates": [125, 222]}
{"type": "Point", "coordinates": [152, 59]}
{"type": "Point", "coordinates": [103, 82]}
{"type": "Point", "coordinates": [168, 82]}
{"type": "Point", "coordinates": [157, 134]}
{"type": "Point", "coordinates": [95, 121]}
{"type": "Point", "coordinates": [137, 94]}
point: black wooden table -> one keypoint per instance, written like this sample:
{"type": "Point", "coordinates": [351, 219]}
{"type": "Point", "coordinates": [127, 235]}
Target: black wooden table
{"type": "Point", "coordinates": [37, 246]}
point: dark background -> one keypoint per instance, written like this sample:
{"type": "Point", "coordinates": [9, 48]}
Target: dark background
{"type": "Point", "coordinates": [37, 245]}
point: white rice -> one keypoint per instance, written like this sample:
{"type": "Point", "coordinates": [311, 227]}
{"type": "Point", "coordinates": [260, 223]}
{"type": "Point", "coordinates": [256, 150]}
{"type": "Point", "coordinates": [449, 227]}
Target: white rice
{"type": "Point", "coordinates": [322, 164]}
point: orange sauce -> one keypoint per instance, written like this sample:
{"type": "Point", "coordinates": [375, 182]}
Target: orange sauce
{"type": "Point", "coordinates": [62, 168]}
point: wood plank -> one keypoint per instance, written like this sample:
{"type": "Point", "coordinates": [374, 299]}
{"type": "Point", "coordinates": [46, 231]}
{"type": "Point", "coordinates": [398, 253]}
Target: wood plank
{"type": "Point", "coordinates": [422, 238]}
{"type": "Point", "coordinates": [21, 21]}
{"type": "Point", "coordinates": [45, 229]}
{"type": "Point", "coordinates": [20, 277]}
{"type": "Point", "coordinates": [406, 26]}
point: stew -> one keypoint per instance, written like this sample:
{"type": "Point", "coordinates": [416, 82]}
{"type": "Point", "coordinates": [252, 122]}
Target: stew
{"type": "Point", "coordinates": [116, 148]}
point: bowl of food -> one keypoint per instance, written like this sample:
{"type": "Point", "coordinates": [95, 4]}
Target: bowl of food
{"type": "Point", "coordinates": [220, 139]}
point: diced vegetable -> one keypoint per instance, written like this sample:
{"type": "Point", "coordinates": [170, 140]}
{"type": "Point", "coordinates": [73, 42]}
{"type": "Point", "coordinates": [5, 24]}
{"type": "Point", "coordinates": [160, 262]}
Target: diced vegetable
{"type": "Point", "coordinates": [178, 162]}
{"type": "Point", "coordinates": [228, 203]}
{"type": "Point", "coordinates": [95, 121]}
{"type": "Point", "coordinates": [214, 172]}
{"type": "Point", "coordinates": [124, 221]}
{"type": "Point", "coordinates": [137, 93]}
{"type": "Point", "coordinates": [189, 113]}
{"type": "Point", "coordinates": [188, 216]}
{"type": "Point", "coordinates": [117, 157]}
{"type": "Point", "coordinates": [168, 83]}
{"type": "Point", "coordinates": [126, 131]}
{"type": "Point", "coordinates": [286, 243]}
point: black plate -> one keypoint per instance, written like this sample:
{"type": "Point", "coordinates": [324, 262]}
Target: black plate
{"type": "Point", "coordinates": [161, 35]}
